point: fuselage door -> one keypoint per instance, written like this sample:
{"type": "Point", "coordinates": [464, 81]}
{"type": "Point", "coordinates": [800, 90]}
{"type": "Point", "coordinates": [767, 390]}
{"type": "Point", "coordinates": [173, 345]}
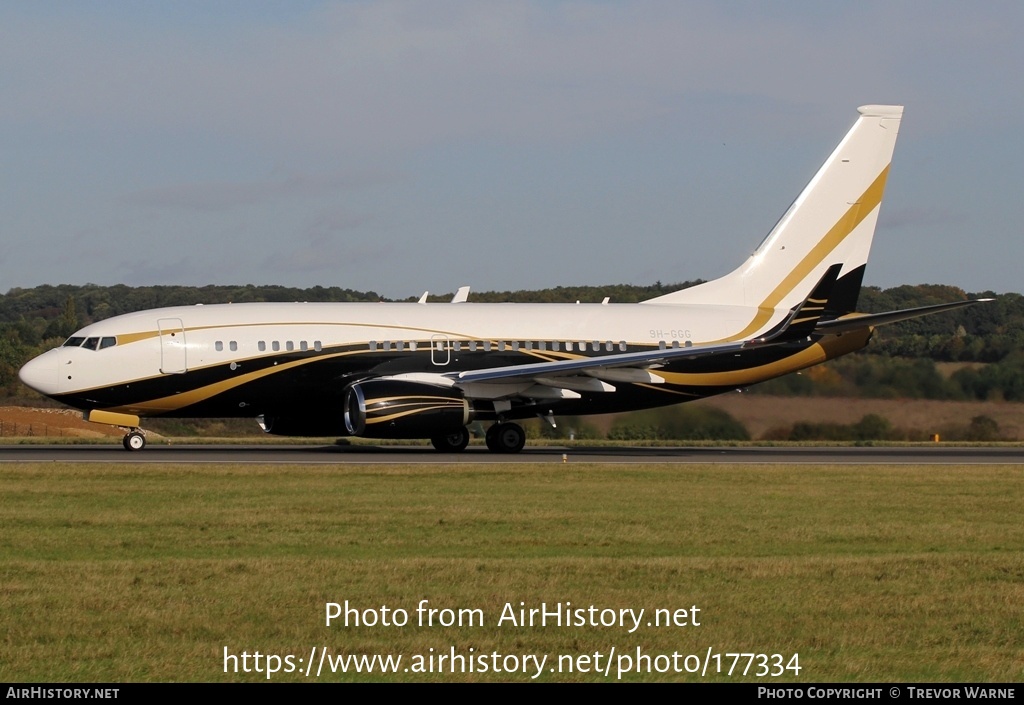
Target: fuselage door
{"type": "Point", "coordinates": [172, 346]}
{"type": "Point", "coordinates": [440, 349]}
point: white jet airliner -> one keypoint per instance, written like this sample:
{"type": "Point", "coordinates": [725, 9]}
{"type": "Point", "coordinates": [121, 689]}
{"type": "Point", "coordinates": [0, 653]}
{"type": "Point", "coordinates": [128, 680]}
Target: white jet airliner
{"type": "Point", "coordinates": [419, 370]}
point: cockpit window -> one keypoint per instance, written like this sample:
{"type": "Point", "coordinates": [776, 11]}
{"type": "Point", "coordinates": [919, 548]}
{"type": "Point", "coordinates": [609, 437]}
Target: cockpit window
{"type": "Point", "coordinates": [107, 341]}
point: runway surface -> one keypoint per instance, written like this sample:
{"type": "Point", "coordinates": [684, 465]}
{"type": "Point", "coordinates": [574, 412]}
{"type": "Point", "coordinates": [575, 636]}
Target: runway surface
{"type": "Point", "coordinates": [340, 455]}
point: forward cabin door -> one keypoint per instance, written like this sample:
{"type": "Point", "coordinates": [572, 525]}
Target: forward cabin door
{"type": "Point", "coordinates": [172, 346]}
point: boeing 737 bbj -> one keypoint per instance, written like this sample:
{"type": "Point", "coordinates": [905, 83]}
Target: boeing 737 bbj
{"type": "Point", "coordinates": [419, 370]}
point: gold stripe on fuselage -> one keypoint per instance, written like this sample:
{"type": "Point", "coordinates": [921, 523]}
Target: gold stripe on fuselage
{"type": "Point", "coordinates": [825, 349]}
{"type": "Point", "coordinates": [200, 394]}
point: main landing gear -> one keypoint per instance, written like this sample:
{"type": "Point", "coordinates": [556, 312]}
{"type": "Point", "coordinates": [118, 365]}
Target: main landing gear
{"type": "Point", "coordinates": [501, 438]}
{"type": "Point", "coordinates": [455, 442]}
{"type": "Point", "coordinates": [135, 439]}
{"type": "Point", "coordinates": [505, 437]}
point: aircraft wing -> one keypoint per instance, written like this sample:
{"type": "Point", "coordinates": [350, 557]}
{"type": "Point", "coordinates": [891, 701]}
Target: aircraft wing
{"type": "Point", "coordinates": [557, 368]}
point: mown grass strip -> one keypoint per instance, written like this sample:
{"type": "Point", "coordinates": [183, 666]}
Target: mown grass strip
{"type": "Point", "coordinates": [910, 573]}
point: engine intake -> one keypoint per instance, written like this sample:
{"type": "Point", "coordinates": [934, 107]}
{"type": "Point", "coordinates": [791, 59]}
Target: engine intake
{"type": "Point", "coordinates": [394, 408]}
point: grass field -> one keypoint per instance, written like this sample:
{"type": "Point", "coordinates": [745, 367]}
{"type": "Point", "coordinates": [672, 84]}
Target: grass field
{"type": "Point", "coordinates": [115, 573]}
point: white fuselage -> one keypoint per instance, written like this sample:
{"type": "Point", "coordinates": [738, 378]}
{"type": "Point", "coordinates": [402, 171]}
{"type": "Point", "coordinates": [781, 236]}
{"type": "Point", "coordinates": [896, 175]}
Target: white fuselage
{"type": "Point", "coordinates": [185, 339]}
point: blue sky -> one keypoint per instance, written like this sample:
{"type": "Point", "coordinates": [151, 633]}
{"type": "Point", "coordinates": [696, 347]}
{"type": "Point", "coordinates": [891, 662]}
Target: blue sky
{"type": "Point", "coordinates": [401, 146]}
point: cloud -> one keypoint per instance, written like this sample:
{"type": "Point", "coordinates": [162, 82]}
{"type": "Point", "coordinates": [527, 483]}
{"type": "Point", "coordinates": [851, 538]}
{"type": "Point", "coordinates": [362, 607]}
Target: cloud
{"type": "Point", "coordinates": [215, 196]}
{"type": "Point", "coordinates": [347, 77]}
{"type": "Point", "coordinates": [329, 242]}
{"type": "Point", "coordinates": [919, 217]}
{"type": "Point", "coordinates": [147, 271]}
{"type": "Point", "coordinates": [167, 128]}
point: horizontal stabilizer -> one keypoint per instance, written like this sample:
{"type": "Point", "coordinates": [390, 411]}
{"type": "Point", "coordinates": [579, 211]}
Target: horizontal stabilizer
{"type": "Point", "coordinates": [860, 322]}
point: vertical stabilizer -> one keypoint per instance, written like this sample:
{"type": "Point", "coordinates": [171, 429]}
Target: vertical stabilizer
{"type": "Point", "coordinates": [831, 222]}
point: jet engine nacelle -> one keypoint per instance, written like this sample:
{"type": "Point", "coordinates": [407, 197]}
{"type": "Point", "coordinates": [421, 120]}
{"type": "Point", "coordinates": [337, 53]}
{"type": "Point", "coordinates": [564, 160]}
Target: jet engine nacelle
{"type": "Point", "coordinates": [395, 408]}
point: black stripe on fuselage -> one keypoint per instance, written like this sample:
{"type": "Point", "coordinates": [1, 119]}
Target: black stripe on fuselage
{"type": "Point", "coordinates": [317, 380]}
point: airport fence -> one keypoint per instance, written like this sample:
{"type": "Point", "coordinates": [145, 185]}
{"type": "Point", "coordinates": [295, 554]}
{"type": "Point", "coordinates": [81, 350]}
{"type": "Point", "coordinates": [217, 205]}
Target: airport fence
{"type": "Point", "coordinates": [22, 430]}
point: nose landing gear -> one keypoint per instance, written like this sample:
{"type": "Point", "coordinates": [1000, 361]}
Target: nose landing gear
{"type": "Point", "coordinates": [135, 439]}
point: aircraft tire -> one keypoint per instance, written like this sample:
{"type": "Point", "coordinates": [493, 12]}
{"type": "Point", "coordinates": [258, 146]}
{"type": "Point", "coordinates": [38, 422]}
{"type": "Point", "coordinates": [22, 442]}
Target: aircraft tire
{"type": "Point", "coordinates": [133, 441]}
{"type": "Point", "coordinates": [506, 438]}
{"type": "Point", "coordinates": [451, 442]}
{"type": "Point", "coordinates": [491, 438]}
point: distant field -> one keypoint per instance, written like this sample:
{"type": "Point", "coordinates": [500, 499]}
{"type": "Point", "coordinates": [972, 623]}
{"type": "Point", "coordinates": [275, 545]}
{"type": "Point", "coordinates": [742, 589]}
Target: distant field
{"type": "Point", "coordinates": [867, 573]}
{"type": "Point", "coordinates": [760, 412]}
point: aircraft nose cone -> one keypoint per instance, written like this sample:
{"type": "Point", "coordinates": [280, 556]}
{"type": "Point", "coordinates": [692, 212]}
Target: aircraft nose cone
{"type": "Point", "coordinates": [40, 374]}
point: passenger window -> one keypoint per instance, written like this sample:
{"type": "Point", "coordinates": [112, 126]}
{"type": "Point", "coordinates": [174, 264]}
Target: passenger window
{"type": "Point", "coordinates": [289, 346]}
{"type": "Point", "coordinates": [373, 345]}
{"type": "Point", "coordinates": [487, 346]}
{"type": "Point", "coordinates": [233, 345]}
{"type": "Point", "coordinates": [317, 345]}
{"type": "Point", "coordinates": [303, 346]}
{"type": "Point", "coordinates": [515, 345]}
{"type": "Point", "coordinates": [542, 345]}
{"type": "Point", "coordinates": [218, 346]}
{"type": "Point", "coordinates": [262, 345]}
{"type": "Point", "coordinates": [412, 345]}
{"type": "Point", "coordinates": [400, 345]}
{"type": "Point", "coordinates": [501, 345]}
{"type": "Point", "coordinates": [275, 346]}
{"type": "Point", "coordinates": [622, 345]}
{"type": "Point", "coordinates": [472, 346]}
